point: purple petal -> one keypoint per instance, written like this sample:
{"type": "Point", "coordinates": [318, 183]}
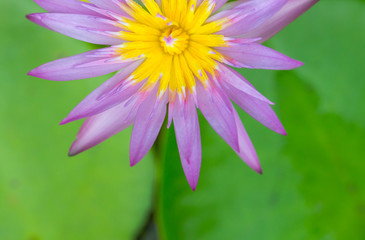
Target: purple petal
{"type": "Point", "coordinates": [233, 14]}
{"type": "Point", "coordinates": [258, 109]}
{"type": "Point", "coordinates": [100, 127]}
{"type": "Point", "coordinates": [246, 150]}
{"type": "Point", "coordinates": [172, 97]}
{"type": "Point", "coordinates": [232, 79]}
{"type": "Point", "coordinates": [217, 109]}
{"type": "Point", "coordinates": [218, 4]}
{"type": "Point", "coordinates": [258, 12]}
{"type": "Point", "coordinates": [254, 55]}
{"type": "Point", "coordinates": [85, 65]}
{"type": "Point", "coordinates": [187, 133]}
{"type": "Point", "coordinates": [65, 6]}
{"type": "Point", "coordinates": [111, 5]}
{"type": "Point", "coordinates": [147, 125]}
{"type": "Point", "coordinates": [291, 10]}
{"type": "Point", "coordinates": [86, 28]}
{"type": "Point", "coordinates": [109, 94]}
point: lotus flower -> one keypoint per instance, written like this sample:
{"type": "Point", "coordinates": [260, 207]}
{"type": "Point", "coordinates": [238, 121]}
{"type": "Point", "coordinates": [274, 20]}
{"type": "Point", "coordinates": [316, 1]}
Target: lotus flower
{"type": "Point", "coordinates": [169, 55]}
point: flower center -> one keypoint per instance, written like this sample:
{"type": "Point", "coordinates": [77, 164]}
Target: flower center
{"type": "Point", "coordinates": [174, 40]}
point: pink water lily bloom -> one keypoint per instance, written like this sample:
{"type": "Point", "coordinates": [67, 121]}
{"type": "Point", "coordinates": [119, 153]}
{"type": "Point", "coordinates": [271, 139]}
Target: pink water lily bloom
{"type": "Point", "coordinates": [170, 56]}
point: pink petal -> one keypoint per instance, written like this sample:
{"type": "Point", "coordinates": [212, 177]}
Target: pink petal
{"type": "Point", "coordinates": [218, 4]}
{"type": "Point", "coordinates": [100, 127]}
{"type": "Point", "coordinates": [147, 125]}
{"type": "Point", "coordinates": [172, 98]}
{"type": "Point", "coordinates": [65, 6]}
{"type": "Point", "coordinates": [217, 109]}
{"type": "Point", "coordinates": [237, 81]}
{"type": "Point", "coordinates": [246, 150]}
{"type": "Point", "coordinates": [85, 65]}
{"type": "Point", "coordinates": [111, 5]}
{"type": "Point", "coordinates": [258, 12]}
{"type": "Point", "coordinates": [254, 55]}
{"type": "Point", "coordinates": [291, 10]}
{"type": "Point", "coordinates": [109, 94]}
{"type": "Point", "coordinates": [233, 14]}
{"type": "Point", "coordinates": [258, 109]}
{"type": "Point", "coordinates": [86, 28]}
{"type": "Point", "coordinates": [187, 133]}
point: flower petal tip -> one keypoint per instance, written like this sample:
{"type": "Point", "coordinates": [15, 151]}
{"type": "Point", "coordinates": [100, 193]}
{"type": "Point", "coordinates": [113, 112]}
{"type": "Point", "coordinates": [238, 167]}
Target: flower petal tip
{"type": "Point", "coordinates": [291, 64]}
{"type": "Point", "coordinates": [256, 167]}
{"type": "Point", "coordinates": [31, 16]}
{"type": "Point", "coordinates": [295, 64]}
{"type": "Point", "coordinates": [65, 121]}
{"type": "Point", "coordinates": [36, 72]}
{"type": "Point", "coordinates": [192, 181]}
{"type": "Point", "coordinates": [133, 161]}
{"type": "Point", "coordinates": [280, 130]}
{"type": "Point", "coordinates": [271, 103]}
{"type": "Point", "coordinates": [193, 184]}
{"type": "Point", "coordinates": [32, 73]}
{"type": "Point", "coordinates": [73, 152]}
{"type": "Point", "coordinates": [34, 17]}
{"type": "Point", "coordinates": [299, 63]}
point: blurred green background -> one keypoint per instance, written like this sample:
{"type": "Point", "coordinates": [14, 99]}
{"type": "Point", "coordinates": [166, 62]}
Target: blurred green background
{"type": "Point", "coordinates": [313, 186]}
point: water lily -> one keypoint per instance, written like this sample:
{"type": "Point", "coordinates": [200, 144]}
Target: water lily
{"type": "Point", "coordinates": [170, 56]}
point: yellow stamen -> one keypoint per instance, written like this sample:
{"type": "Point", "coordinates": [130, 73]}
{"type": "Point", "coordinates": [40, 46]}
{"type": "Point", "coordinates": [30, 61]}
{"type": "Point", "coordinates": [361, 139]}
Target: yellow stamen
{"type": "Point", "coordinates": [174, 41]}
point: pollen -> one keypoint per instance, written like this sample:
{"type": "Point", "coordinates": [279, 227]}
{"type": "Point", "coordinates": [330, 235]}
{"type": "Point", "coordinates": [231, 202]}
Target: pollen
{"type": "Point", "coordinates": [174, 40]}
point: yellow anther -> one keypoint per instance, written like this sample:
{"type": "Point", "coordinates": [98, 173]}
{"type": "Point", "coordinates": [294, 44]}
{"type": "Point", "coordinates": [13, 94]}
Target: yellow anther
{"type": "Point", "coordinates": [174, 40]}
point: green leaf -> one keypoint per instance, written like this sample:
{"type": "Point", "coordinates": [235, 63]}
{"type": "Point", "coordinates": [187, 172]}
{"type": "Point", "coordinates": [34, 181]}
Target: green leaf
{"type": "Point", "coordinates": [330, 41]}
{"type": "Point", "coordinates": [313, 183]}
{"type": "Point", "coordinates": [43, 193]}
{"type": "Point", "coordinates": [326, 150]}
